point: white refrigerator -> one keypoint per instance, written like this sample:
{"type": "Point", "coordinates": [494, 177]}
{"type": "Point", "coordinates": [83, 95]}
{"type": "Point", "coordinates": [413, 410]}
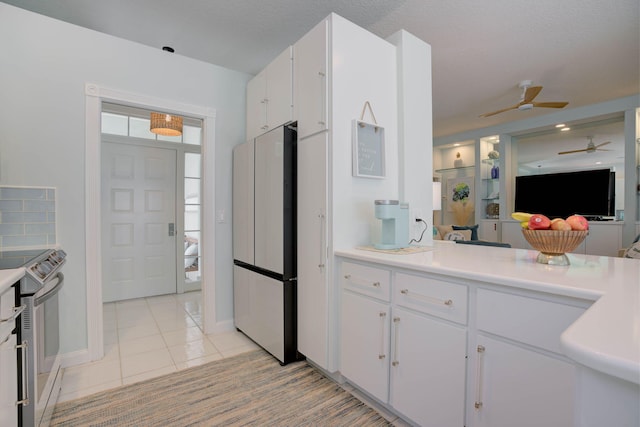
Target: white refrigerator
{"type": "Point", "coordinates": [264, 241]}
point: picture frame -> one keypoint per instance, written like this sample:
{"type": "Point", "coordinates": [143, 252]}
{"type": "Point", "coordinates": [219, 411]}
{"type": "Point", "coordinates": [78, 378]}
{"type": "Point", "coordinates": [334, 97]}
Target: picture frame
{"type": "Point", "coordinates": [368, 150]}
{"type": "Point", "coordinates": [460, 190]}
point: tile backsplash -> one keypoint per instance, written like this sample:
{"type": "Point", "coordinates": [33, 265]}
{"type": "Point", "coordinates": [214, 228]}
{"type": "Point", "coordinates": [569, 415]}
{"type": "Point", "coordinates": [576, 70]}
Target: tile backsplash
{"type": "Point", "coordinates": [27, 217]}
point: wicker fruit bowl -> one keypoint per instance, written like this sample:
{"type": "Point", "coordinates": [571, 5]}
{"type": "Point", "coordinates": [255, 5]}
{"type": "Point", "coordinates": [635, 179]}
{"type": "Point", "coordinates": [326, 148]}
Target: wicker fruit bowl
{"type": "Point", "coordinates": [553, 244]}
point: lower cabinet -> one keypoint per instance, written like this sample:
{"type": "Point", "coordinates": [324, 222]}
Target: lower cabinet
{"type": "Point", "coordinates": [411, 361]}
{"type": "Point", "coordinates": [365, 344]}
{"type": "Point", "coordinates": [439, 352]}
{"type": "Point", "coordinates": [427, 369]}
{"type": "Point", "coordinates": [520, 387]}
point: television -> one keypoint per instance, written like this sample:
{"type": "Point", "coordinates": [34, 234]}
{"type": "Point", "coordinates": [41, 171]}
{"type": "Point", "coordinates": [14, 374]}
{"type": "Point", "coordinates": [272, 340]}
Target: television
{"type": "Point", "coordinates": [590, 193]}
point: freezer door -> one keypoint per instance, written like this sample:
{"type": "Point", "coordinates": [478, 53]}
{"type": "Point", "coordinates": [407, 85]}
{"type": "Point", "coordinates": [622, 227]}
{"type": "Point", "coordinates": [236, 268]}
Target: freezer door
{"type": "Point", "coordinates": [243, 170]}
{"type": "Point", "coordinates": [269, 201]}
{"type": "Point", "coordinates": [259, 310]}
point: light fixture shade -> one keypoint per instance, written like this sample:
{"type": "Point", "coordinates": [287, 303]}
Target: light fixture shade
{"type": "Point", "coordinates": [166, 124]}
{"type": "Point", "coordinates": [437, 195]}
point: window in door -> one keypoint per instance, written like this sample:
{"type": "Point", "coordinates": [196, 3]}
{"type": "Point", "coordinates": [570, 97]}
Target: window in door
{"type": "Point", "coordinates": [192, 181]}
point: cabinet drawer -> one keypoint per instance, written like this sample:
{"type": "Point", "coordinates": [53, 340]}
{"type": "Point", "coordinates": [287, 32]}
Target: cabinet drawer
{"type": "Point", "coordinates": [363, 279]}
{"type": "Point", "coordinates": [528, 320]}
{"type": "Point", "coordinates": [427, 295]}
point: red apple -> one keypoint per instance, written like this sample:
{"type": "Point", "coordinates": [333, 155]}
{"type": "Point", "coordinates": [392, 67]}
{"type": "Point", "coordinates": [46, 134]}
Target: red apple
{"type": "Point", "coordinates": [560, 224]}
{"type": "Point", "coordinates": [539, 222]}
{"type": "Point", "coordinates": [578, 222]}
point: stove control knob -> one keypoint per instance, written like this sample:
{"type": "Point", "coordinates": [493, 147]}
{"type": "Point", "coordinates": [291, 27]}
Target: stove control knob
{"type": "Point", "coordinates": [55, 257]}
{"type": "Point", "coordinates": [41, 270]}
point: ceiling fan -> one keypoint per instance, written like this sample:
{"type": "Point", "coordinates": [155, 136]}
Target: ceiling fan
{"type": "Point", "coordinates": [591, 147]}
{"type": "Point", "coordinates": [526, 100]}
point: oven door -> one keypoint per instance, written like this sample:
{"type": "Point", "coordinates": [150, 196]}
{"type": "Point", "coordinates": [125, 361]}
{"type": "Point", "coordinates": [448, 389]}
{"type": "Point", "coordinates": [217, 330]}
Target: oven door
{"type": "Point", "coordinates": [45, 369]}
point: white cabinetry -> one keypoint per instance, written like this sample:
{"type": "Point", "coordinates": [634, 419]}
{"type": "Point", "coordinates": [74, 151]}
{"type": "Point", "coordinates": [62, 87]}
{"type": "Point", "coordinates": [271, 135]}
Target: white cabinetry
{"type": "Point", "coordinates": [488, 230]}
{"type": "Point", "coordinates": [406, 354]}
{"type": "Point", "coordinates": [334, 208]}
{"type": "Point", "coordinates": [311, 80]}
{"type": "Point", "coordinates": [520, 378]}
{"type": "Point", "coordinates": [270, 96]}
{"type": "Point", "coordinates": [313, 260]}
{"type": "Point", "coordinates": [365, 343]}
{"type": "Point", "coordinates": [8, 360]}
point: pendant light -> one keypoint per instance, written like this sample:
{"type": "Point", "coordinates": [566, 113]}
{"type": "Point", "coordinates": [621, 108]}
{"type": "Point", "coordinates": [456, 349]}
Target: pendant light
{"type": "Point", "coordinates": [166, 124]}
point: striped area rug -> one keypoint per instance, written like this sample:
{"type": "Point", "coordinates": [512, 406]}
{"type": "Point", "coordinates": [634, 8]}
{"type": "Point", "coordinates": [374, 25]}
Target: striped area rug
{"type": "Point", "coordinates": [244, 390]}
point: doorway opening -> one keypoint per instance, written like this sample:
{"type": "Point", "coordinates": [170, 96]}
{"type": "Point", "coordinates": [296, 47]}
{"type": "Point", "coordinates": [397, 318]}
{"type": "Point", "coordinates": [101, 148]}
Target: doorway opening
{"type": "Point", "coordinates": [95, 96]}
{"type": "Point", "coordinates": [151, 216]}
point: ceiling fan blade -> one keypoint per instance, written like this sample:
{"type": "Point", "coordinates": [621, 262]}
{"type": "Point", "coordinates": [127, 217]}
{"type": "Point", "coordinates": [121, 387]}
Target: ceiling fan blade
{"type": "Point", "coordinates": [604, 143]}
{"type": "Point", "coordinates": [602, 149]}
{"type": "Point", "coordinates": [573, 151]}
{"type": "Point", "coordinates": [531, 93]}
{"type": "Point", "coordinates": [493, 113]}
{"type": "Point", "coordinates": [550, 104]}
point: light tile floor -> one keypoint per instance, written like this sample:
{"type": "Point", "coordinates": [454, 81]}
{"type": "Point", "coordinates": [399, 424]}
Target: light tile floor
{"type": "Point", "coordinates": [148, 337]}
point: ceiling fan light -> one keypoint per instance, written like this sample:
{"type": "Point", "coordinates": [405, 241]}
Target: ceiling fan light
{"type": "Point", "coordinates": [166, 124]}
{"type": "Point", "coordinates": [524, 107]}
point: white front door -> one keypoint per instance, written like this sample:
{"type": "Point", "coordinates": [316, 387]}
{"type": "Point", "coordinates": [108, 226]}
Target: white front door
{"type": "Point", "coordinates": [138, 194]}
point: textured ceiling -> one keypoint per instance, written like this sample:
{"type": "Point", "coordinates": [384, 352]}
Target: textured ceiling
{"type": "Point", "coordinates": [581, 51]}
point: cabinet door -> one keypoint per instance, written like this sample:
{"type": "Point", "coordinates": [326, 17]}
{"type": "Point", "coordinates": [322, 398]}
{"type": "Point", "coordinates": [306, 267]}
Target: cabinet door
{"type": "Point", "coordinates": [603, 239]}
{"type": "Point", "coordinates": [488, 231]}
{"type": "Point", "coordinates": [312, 249]}
{"type": "Point", "coordinates": [427, 369]}
{"type": "Point", "coordinates": [279, 90]}
{"type": "Point", "coordinates": [257, 105]}
{"type": "Point", "coordinates": [364, 346]}
{"type": "Point", "coordinates": [8, 382]}
{"type": "Point", "coordinates": [311, 81]}
{"type": "Point", "coordinates": [519, 387]}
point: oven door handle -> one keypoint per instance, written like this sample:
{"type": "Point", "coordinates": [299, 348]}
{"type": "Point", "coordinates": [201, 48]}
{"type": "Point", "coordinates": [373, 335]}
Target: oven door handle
{"type": "Point", "coordinates": [42, 298]}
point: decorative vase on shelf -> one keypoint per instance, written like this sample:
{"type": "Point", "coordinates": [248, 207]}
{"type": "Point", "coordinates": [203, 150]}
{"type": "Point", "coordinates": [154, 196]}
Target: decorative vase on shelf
{"type": "Point", "coordinates": [457, 163]}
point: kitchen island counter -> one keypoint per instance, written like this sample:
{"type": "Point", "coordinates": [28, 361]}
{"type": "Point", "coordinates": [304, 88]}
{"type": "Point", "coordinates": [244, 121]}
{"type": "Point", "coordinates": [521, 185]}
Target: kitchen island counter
{"type": "Point", "coordinates": [9, 277]}
{"type": "Point", "coordinates": [606, 338]}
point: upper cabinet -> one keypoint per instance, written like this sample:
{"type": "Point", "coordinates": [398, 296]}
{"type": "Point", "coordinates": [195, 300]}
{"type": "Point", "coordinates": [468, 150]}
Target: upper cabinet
{"type": "Point", "coordinates": [270, 96]}
{"type": "Point", "coordinates": [311, 105]}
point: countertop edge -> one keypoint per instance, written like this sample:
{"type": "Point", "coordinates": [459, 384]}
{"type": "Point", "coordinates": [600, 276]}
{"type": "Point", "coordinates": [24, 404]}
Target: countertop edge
{"type": "Point", "coordinates": [9, 277]}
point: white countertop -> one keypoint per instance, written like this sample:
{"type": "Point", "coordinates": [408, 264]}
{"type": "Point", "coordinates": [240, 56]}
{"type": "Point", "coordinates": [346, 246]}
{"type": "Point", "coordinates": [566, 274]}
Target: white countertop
{"type": "Point", "coordinates": [9, 277]}
{"type": "Point", "coordinates": [605, 338]}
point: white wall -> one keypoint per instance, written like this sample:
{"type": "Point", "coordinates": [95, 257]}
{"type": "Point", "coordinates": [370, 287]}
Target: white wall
{"type": "Point", "coordinates": [44, 66]}
{"type": "Point", "coordinates": [415, 130]}
{"type": "Point", "coordinates": [364, 69]}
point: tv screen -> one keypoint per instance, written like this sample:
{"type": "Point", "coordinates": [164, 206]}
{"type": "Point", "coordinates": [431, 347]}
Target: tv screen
{"type": "Point", "coordinates": [589, 193]}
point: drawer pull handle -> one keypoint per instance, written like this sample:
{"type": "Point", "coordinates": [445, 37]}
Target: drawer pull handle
{"type": "Point", "coordinates": [361, 282]}
{"type": "Point", "coordinates": [381, 354]}
{"type": "Point", "coordinates": [447, 302]}
{"type": "Point", "coordinates": [25, 374]}
{"type": "Point", "coordinates": [396, 362]}
{"type": "Point", "coordinates": [479, 365]}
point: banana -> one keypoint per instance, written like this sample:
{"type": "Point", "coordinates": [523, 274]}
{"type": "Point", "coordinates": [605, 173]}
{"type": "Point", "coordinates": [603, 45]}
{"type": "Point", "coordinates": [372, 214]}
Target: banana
{"type": "Point", "coordinates": [525, 225]}
{"type": "Point", "coordinates": [521, 216]}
